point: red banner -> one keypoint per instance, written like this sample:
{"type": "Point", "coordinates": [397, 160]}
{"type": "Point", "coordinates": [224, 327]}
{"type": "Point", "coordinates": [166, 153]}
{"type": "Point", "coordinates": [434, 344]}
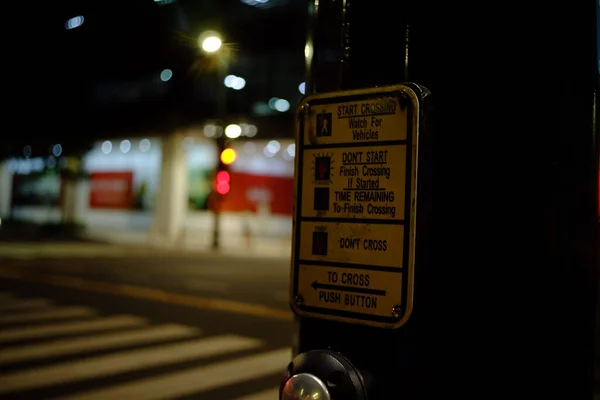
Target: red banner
{"type": "Point", "coordinates": [111, 190]}
{"type": "Point", "coordinates": [258, 192]}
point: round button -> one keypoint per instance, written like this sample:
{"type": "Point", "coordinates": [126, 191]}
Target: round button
{"type": "Point", "coordinates": [305, 387]}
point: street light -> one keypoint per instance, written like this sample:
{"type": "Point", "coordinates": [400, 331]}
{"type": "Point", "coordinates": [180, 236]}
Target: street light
{"type": "Point", "coordinates": [233, 131]}
{"type": "Point", "coordinates": [210, 41]}
{"type": "Point", "coordinates": [211, 44]}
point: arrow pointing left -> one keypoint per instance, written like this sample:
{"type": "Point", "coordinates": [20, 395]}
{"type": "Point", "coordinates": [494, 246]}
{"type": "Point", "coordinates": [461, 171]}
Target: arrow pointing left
{"type": "Point", "coordinates": [316, 285]}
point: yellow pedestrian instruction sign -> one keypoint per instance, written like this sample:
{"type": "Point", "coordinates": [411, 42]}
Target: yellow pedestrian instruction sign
{"type": "Point", "coordinates": [355, 213]}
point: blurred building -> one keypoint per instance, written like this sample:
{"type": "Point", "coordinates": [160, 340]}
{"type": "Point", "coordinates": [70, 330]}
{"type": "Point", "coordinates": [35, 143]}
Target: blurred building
{"type": "Point", "coordinates": [160, 186]}
{"type": "Point", "coordinates": [128, 86]}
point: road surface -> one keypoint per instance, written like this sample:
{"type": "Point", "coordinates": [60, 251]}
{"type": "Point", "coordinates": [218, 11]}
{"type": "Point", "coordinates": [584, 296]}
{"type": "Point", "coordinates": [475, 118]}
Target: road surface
{"type": "Point", "coordinates": [103, 322]}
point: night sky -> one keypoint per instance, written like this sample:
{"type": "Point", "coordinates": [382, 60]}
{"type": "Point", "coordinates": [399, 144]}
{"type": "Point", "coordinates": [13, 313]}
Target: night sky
{"type": "Point", "coordinates": [104, 76]}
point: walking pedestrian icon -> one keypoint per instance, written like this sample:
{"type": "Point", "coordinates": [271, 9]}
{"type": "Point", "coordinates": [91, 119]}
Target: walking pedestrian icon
{"type": "Point", "coordinates": [324, 124]}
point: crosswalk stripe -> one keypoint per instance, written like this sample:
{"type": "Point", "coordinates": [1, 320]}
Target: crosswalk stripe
{"type": "Point", "coordinates": [97, 342]}
{"type": "Point", "coordinates": [195, 380]}
{"type": "Point", "coordinates": [53, 313]}
{"type": "Point", "coordinates": [18, 304]}
{"type": "Point", "coordinates": [33, 332]}
{"type": "Point", "coordinates": [269, 394]}
{"type": "Point", "coordinates": [123, 362]}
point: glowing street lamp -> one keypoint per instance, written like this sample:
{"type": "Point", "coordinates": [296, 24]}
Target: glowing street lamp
{"type": "Point", "coordinates": [233, 131]}
{"type": "Point", "coordinates": [210, 41]}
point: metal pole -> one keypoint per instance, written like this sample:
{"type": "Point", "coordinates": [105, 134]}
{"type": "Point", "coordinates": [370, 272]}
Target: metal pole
{"type": "Point", "coordinates": [221, 93]}
{"type": "Point", "coordinates": [510, 277]}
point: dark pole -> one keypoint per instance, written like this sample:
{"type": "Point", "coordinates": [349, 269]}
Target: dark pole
{"type": "Point", "coordinates": [506, 291]}
{"type": "Point", "coordinates": [221, 140]}
{"type": "Point", "coordinates": [340, 59]}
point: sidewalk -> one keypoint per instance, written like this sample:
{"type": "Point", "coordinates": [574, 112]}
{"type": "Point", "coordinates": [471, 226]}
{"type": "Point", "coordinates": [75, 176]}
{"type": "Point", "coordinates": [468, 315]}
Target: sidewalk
{"type": "Point", "coordinates": [200, 242]}
{"type": "Point", "coordinates": [120, 243]}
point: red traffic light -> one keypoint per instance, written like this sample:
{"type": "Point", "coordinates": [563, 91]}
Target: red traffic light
{"type": "Point", "coordinates": [223, 176]}
{"type": "Point", "coordinates": [222, 183]}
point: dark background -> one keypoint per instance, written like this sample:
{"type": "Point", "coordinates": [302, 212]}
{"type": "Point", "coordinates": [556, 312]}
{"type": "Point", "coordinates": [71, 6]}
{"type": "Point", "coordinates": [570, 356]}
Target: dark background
{"type": "Point", "coordinates": [103, 78]}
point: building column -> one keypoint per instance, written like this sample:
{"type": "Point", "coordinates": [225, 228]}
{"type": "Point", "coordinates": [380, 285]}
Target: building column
{"type": "Point", "coordinates": [73, 195]}
{"type": "Point", "coordinates": [5, 189]}
{"type": "Point", "coordinates": [69, 201]}
{"type": "Point", "coordinates": [172, 194]}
